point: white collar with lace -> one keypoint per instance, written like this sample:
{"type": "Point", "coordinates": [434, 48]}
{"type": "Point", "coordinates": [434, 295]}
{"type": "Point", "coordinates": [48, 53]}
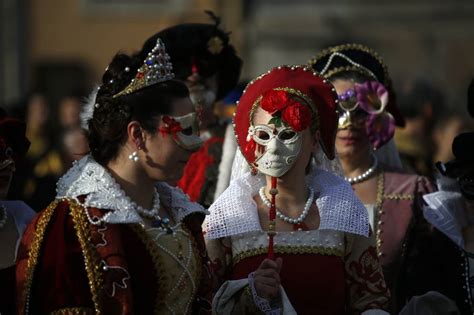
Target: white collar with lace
{"type": "Point", "coordinates": [90, 179]}
{"type": "Point", "coordinates": [235, 211]}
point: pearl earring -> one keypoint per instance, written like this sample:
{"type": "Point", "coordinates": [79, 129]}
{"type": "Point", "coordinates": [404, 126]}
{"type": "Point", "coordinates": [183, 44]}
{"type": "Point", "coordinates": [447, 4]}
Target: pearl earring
{"type": "Point", "coordinates": [134, 156]}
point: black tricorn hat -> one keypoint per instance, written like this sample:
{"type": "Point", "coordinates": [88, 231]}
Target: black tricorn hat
{"type": "Point", "coordinates": [204, 48]}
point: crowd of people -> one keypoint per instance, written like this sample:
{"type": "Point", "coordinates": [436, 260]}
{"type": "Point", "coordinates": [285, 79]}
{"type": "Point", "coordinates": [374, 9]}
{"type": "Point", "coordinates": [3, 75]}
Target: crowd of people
{"type": "Point", "coordinates": [329, 193]}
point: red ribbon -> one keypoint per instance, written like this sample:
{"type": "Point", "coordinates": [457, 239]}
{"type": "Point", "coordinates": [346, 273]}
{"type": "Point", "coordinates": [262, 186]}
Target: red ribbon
{"type": "Point", "coordinates": [171, 127]}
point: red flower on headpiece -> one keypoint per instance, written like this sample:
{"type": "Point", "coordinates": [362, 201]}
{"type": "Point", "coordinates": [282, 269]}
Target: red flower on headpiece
{"type": "Point", "coordinates": [281, 106]}
{"type": "Point", "coordinates": [171, 126]}
{"type": "Point", "coordinates": [298, 116]}
{"type": "Point", "coordinates": [275, 100]}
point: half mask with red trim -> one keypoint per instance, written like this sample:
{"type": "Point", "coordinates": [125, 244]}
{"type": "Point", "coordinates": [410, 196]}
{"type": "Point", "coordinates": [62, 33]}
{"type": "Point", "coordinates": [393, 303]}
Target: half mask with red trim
{"type": "Point", "coordinates": [183, 129]}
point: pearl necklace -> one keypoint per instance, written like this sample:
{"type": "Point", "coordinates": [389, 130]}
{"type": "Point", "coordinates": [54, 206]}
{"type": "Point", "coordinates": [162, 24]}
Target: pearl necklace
{"type": "Point", "coordinates": [3, 216]}
{"type": "Point", "coordinates": [285, 218]}
{"type": "Point", "coordinates": [366, 175]}
{"type": "Point", "coordinates": [153, 213]}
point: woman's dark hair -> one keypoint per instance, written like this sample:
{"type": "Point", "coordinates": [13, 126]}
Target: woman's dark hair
{"type": "Point", "coordinates": [108, 126]}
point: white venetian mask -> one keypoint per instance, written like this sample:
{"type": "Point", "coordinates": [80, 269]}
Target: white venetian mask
{"type": "Point", "coordinates": [184, 130]}
{"type": "Point", "coordinates": [282, 146]}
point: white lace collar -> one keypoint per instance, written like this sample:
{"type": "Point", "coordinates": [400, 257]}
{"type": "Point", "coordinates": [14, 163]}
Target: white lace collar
{"type": "Point", "coordinates": [90, 179]}
{"type": "Point", "coordinates": [234, 212]}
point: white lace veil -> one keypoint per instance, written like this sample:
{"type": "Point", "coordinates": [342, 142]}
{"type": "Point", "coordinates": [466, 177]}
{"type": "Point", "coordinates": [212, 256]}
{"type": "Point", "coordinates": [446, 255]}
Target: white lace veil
{"type": "Point", "coordinates": [388, 155]}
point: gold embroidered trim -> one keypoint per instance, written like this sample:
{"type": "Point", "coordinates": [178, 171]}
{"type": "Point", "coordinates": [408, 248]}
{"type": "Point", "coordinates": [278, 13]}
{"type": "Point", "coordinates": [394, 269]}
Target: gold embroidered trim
{"type": "Point", "coordinates": [73, 311]}
{"type": "Point", "coordinates": [399, 197]}
{"type": "Point", "coordinates": [378, 211]}
{"type": "Point", "coordinates": [91, 259]}
{"type": "Point", "coordinates": [160, 271]}
{"type": "Point", "coordinates": [35, 249]}
{"type": "Point", "coordinates": [288, 250]}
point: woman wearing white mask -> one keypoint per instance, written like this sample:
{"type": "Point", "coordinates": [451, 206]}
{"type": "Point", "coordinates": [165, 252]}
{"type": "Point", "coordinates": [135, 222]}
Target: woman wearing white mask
{"type": "Point", "coordinates": [280, 240]}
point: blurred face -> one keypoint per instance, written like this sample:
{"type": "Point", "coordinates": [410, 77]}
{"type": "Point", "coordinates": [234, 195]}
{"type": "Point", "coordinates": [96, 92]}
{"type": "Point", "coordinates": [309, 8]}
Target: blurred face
{"type": "Point", "coordinates": [38, 112]}
{"type": "Point", "coordinates": [203, 93]}
{"type": "Point", "coordinates": [351, 137]}
{"type": "Point", "coordinates": [7, 167]}
{"type": "Point", "coordinates": [165, 152]}
{"type": "Point", "coordinates": [69, 112]}
{"type": "Point", "coordinates": [280, 151]}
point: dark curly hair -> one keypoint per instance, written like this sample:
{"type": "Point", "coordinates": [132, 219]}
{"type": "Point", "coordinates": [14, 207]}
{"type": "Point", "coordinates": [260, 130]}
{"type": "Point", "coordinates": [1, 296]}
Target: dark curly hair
{"type": "Point", "coordinates": [108, 126]}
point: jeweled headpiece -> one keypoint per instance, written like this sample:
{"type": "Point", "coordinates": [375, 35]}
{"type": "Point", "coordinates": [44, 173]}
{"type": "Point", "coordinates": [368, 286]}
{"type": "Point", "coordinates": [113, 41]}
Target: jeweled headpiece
{"type": "Point", "coordinates": [156, 68]}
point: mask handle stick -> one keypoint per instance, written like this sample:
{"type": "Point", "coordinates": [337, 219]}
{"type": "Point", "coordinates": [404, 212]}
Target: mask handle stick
{"type": "Point", "coordinates": [272, 217]}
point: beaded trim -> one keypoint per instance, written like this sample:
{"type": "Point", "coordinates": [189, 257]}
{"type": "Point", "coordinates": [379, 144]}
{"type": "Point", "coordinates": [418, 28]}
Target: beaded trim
{"type": "Point", "coordinates": [35, 250]}
{"type": "Point", "coordinates": [159, 269]}
{"type": "Point", "coordinates": [73, 311]}
{"type": "Point", "coordinates": [339, 48]}
{"type": "Point", "coordinates": [91, 258]}
{"type": "Point", "coordinates": [399, 197]}
{"type": "Point", "coordinates": [288, 250]}
{"type": "Point", "coordinates": [154, 251]}
{"type": "Point", "coordinates": [379, 212]}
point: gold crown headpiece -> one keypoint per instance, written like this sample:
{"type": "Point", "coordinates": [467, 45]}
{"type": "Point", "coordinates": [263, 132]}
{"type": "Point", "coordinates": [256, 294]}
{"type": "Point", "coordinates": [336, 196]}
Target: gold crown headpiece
{"type": "Point", "coordinates": [156, 68]}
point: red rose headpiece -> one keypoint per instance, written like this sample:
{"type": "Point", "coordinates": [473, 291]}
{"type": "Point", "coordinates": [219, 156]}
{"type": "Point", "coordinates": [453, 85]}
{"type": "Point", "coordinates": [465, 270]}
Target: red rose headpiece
{"type": "Point", "coordinates": [296, 95]}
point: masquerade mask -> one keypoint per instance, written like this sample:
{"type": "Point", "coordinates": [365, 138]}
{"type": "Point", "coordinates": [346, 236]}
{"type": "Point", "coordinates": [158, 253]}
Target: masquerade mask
{"type": "Point", "coordinates": [281, 146]}
{"type": "Point", "coordinates": [364, 106]}
{"type": "Point", "coordinates": [184, 130]}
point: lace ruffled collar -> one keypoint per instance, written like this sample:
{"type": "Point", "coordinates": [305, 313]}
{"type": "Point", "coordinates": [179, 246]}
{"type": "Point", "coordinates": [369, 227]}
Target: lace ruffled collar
{"type": "Point", "coordinates": [90, 179]}
{"type": "Point", "coordinates": [235, 211]}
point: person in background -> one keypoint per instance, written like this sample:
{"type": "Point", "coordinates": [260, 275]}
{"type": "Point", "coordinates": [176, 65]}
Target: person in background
{"type": "Point", "coordinates": [446, 128]}
{"type": "Point", "coordinates": [44, 164]}
{"type": "Point", "coordinates": [421, 103]}
{"type": "Point", "coordinates": [69, 109]}
{"type": "Point", "coordinates": [204, 58]}
{"type": "Point", "coordinates": [14, 215]}
{"type": "Point", "coordinates": [368, 115]}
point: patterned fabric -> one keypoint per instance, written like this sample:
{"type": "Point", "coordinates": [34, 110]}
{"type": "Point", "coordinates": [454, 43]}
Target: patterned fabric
{"type": "Point", "coordinates": [234, 212]}
{"type": "Point", "coordinates": [181, 270]}
{"type": "Point", "coordinates": [345, 263]}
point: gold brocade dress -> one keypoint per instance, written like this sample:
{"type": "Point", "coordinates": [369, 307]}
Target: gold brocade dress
{"type": "Point", "coordinates": [178, 255]}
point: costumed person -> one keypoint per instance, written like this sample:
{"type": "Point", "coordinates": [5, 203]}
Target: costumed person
{"type": "Point", "coordinates": [203, 57]}
{"type": "Point", "coordinates": [367, 118]}
{"type": "Point", "coordinates": [283, 239]}
{"type": "Point", "coordinates": [14, 215]}
{"type": "Point", "coordinates": [448, 266]}
{"type": "Point", "coordinates": [118, 239]}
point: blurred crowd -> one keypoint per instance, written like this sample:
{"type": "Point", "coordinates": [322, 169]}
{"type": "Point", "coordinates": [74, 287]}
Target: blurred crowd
{"type": "Point", "coordinates": [57, 139]}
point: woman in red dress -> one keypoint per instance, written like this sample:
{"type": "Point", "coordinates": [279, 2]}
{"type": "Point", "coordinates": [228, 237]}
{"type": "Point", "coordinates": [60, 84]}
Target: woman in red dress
{"type": "Point", "coordinates": [118, 239]}
{"type": "Point", "coordinates": [326, 258]}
